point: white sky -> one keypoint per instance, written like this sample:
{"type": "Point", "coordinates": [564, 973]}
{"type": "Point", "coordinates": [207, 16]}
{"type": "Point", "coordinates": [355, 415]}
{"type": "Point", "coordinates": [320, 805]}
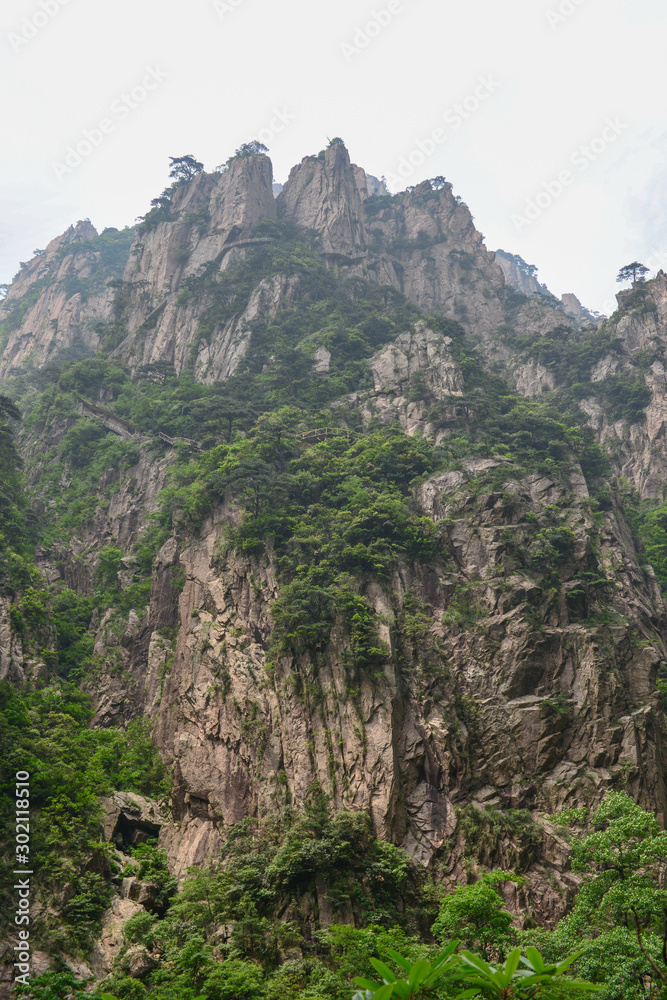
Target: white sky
{"type": "Point", "coordinates": [226, 71]}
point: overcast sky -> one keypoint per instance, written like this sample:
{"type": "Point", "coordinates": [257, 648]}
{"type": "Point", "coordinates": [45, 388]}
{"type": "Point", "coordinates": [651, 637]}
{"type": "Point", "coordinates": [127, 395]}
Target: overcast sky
{"type": "Point", "coordinates": [548, 116]}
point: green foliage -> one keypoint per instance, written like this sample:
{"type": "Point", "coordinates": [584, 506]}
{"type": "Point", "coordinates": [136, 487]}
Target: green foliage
{"type": "Point", "coordinates": [52, 986]}
{"type": "Point", "coordinates": [618, 917]}
{"type": "Point", "coordinates": [648, 518]}
{"type": "Point", "coordinates": [263, 870]}
{"type": "Point", "coordinates": [246, 149]}
{"type": "Point", "coordinates": [105, 258]}
{"type": "Point", "coordinates": [339, 511]}
{"type": "Point", "coordinates": [154, 868]}
{"type": "Point", "coordinates": [621, 861]}
{"type": "Point", "coordinates": [46, 733]}
{"type": "Point", "coordinates": [522, 976]}
{"type": "Point", "coordinates": [16, 310]}
{"type": "Point", "coordinates": [72, 615]}
{"type": "Point", "coordinates": [419, 979]}
{"type": "Point", "coordinates": [91, 895]}
{"type": "Point", "coordinates": [31, 613]}
{"type": "Point", "coordinates": [125, 988]}
{"type": "Point", "coordinates": [89, 376]}
{"type": "Point", "coordinates": [184, 168]}
{"type": "Point", "coordinates": [634, 272]}
{"type": "Point", "coordinates": [16, 535]}
{"type": "Point", "coordinates": [626, 397]}
{"type": "Point", "coordinates": [614, 961]}
{"type": "Point", "coordinates": [235, 979]}
{"type": "Point", "coordinates": [140, 929]}
{"type": "Point", "coordinates": [81, 442]}
{"type": "Point", "coordinates": [331, 499]}
{"type": "Point", "coordinates": [476, 914]}
{"type": "Point", "coordinates": [109, 565]}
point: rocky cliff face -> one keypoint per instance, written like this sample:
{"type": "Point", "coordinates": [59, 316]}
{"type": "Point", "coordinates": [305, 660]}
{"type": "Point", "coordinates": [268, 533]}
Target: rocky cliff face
{"type": "Point", "coordinates": [519, 659]}
{"type": "Point", "coordinates": [44, 313]}
{"type": "Point", "coordinates": [638, 334]}
{"type": "Point", "coordinates": [514, 695]}
{"type": "Point", "coordinates": [525, 697]}
{"type": "Point", "coordinates": [520, 275]}
{"type": "Point", "coordinates": [422, 242]}
{"type": "Point", "coordinates": [523, 277]}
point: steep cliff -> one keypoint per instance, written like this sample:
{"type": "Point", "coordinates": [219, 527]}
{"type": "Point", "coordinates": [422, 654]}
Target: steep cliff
{"type": "Point", "coordinates": [56, 300]}
{"type": "Point", "coordinates": [523, 277]}
{"type": "Point", "coordinates": [346, 519]}
{"type": "Point", "coordinates": [178, 299]}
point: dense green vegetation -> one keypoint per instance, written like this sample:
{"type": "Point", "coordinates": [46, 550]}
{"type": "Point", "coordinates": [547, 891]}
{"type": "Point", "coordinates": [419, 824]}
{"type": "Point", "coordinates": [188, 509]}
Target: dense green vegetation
{"type": "Point", "coordinates": [299, 905]}
{"type": "Point", "coordinates": [269, 884]}
{"type": "Point", "coordinates": [570, 355]}
{"type": "Point", "coordinates": [16, 524]}
{"type": "Point", "coordinates": [46, 732]}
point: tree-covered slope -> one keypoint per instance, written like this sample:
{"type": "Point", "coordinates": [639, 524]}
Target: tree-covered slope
{"type": "Point", "coordinates": [295, 553]}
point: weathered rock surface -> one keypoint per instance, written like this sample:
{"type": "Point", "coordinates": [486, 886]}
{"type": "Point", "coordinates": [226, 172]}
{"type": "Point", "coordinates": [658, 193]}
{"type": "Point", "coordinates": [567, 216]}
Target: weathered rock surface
{"type": "Point", "coordinates": [520, 275]}
{"type": "Point", "coordinates": [531, 701]}
{"type": "Point", "coordinates": [210, 216]}
{"type": "Point", "coordinates": [639, 331]}
{"type": "Point", "coordinates": [418, 365]}
{"type": "Point", "coordinates": [324, 194]}
{"type": "Point", "coordinates": [422, 242]}
{"type": "Point", "coordinates": [110, 942]}
{"type": "Point", "coordinates": [519, 694]}
{"type": "Point", "coordinates": [56, 318]}
{"type": "Point", "coordinates": [130, 819]}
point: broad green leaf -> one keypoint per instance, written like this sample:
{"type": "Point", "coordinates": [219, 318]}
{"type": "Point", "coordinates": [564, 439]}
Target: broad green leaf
{"type": "Point", "coordinates": [384, 970]}
{"type": "Point", "coordinates": [568, 961]}
{"type": "Point", "coordinates": [485, 983]}
{"type": "Point", "coordinates": [535, 960]}
{"type": "Point", "coordinates": [385, 992]}
{"type": "Point", "coordinates": [512, 963]}
{"type": "Point", "coordinates": [477, 962]}
{"type": "Point", "coordinates": [400, 961]}
{"type": "Point", "coordinates": [444, 955]}
{"type": "Point", "coordinates": [500, 979]}
{"type": "Point", "coordinates": [419, 972]}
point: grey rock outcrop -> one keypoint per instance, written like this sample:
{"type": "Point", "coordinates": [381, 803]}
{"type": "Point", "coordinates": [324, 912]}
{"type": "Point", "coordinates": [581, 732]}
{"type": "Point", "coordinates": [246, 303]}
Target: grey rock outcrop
{"type": "Point", "coordinates": [211, 219]}
{"type": "Point", "coordinates": [323, 194]}
{"type": "Point", "coordinates": [537, 708]}
{"type": "Point", "coordinates": [56, 318]}
{"type": "Point", "coordinates": [130, 819]}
